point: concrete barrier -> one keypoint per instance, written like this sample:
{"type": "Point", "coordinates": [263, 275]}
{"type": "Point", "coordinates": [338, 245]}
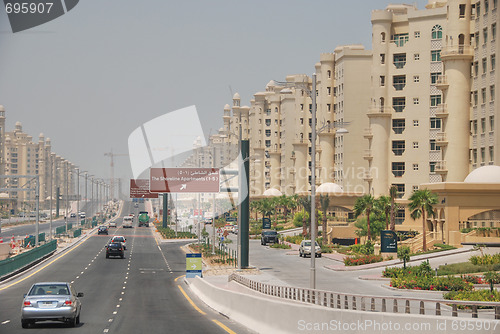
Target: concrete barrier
{"type": "Point", "coordinates": [270, 315]}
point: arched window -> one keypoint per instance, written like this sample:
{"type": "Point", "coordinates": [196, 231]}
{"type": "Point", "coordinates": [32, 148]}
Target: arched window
{"type": "Point", "coordinates": [437, 32]}
{"type": "Point", "coordinates": [382, 37]}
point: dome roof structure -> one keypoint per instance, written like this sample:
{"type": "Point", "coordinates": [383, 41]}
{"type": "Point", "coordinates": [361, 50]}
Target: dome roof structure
{"type": "Point", "coordinates": [236, 96]}
{"type": "Point", "coordinates": [272, 192]}
{"type": "Point", "coordinates": [227, 107]}
{"type": "Point", "coordinates": [485, 174]}
{"type": "Point", "coordinates": [329, 187]}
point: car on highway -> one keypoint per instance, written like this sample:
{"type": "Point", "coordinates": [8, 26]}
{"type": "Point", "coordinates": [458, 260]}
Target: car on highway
{"type": "Point", "coordinates": [121, 239]}
{"type": "Point", "coordinates": [128, 222]}
{"type": "Point", "coordinates": [269, 236]}
{"type": "Point", "coordinates": [73, 215]}
{"type": "Point", "coordinates": [115, 249]}
{"type": "Point", "coordinates": [82, 215]}
{"type": "Point", "coordinates": [305, 249]}
{"type": "Point", "coordinates": [102, 230]}
{"type": "Point", "coordinates": [112, 224]}
{"type": "Point", "coordinates": [51, 301]}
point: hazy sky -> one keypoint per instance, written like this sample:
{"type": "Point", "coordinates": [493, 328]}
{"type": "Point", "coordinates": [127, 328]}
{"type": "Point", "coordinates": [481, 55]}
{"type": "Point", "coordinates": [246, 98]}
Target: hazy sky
{"type": "Point", "coordinates": [92, 76]}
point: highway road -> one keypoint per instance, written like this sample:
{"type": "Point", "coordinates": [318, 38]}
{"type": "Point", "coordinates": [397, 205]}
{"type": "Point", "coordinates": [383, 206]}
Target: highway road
{"type": "Point", "coordinates": [143, 293]}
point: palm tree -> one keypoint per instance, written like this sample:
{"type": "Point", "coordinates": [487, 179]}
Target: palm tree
{"type": "Point", "coordinates": [254, 205]}
{"type": "Point", "coordinates": [383, 204]}
{"type": "Point", "coordinates": [266, 207]}
{"type": "Point", "coordinates": [305, 202]}
{"type": "Point", "coordinates": [393, 192]}
{"type": "Point", "coordinates": [284, 202]}
{"type": "Point", "coordinates": [421, 202]}
{"type": "Point", "coordinates": [364, 205]}
{"type": "Point", "coordinates": [324, 203]}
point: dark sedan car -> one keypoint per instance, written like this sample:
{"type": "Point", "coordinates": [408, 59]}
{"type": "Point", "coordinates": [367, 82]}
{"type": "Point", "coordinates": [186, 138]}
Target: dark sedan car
{"type": "Point", "coordinates": [51, 301]}
{"type": "Point", "coordinates": [115, 249]}
{"type": "Point", "coordinates": [102, 230]}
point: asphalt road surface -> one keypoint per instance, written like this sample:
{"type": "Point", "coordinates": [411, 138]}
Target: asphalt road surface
{"type": "Point", "coordinates": [143, 293]}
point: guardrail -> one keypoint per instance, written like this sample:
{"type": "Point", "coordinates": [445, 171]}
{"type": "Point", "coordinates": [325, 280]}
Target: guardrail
{"type": "Point", "coordinates": [17, 262]}
{"type": "Point", "coordinates": [359, 302]}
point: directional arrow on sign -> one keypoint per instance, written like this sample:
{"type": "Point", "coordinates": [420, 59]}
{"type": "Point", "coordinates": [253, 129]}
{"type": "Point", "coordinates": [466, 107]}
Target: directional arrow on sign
{"type": "Point", "coordinates": [193, 266]}
{"type": "Point", "coordinates": [183, 186]}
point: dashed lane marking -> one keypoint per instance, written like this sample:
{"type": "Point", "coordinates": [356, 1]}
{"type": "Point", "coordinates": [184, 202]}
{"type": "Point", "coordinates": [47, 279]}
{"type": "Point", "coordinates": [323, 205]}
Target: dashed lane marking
{"type": "Point", "coordinates": [5, 322]}
{"type": "Point", "coordinates": [224, 327]}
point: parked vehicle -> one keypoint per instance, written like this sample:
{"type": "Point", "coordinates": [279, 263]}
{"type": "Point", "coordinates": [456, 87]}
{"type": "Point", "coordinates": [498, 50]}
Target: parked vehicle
{"type": "Point", "coordinates": [51, 301]}
{"type": "Point", "coordinates": [115, 249]}
{"type": "Point", "coordinates": [128, 222]}
{"type": "Point", "coordinates": [143, 219]}
{"type": "Point", "coordinates": [269, 236]}
{"type": "Point", "coordinates": [305, 249]}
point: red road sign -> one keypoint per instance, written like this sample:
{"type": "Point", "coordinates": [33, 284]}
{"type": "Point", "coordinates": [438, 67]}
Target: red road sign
{"type": "Point", "coordinates": [140, 189]}
{"type": "Point", "coordinates": [184, 180]}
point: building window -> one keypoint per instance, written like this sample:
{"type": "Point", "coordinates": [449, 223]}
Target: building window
{"type": "Point", "coordinates": [483, 124]}
{"type": "Point", "coordinates": [268, 143]}
{"type": "Point", "coordinates": [486, 6]}
{"type": "Point", "coordinates": [483, 154]}
{"type": "Point", "coordinates": [433, 145]}
{"type": "Point", "coordinates": [398, 169]}
{"type": "Point", "coordinates": [462, 11]}
{"type": "Point", "coordinates": [398, 147]}
{"type": "Point", "coordinates": [416, 100]}
{"type": "Point", "coordinates": [483, 95]}
{"type": "Point", "coordinates": [416, 79]}
{"type": "Point", "coordinates": [400, 213]}
{"type": "Point", "coordinates": [399, 60]}
{"type": "Point", "coordinates": [399, 82]}
{"type": "Point", "coordinates": [475, 97]}
{"type": "Point", "coordinates": [415, 144]}
{"type": "Point", "coordinates": [435, 100]}
{"type": "Point", "coordinates": [492, 61]}
{"type": "Point", "coordinates": [491, 151]}
{"type": "Point", "coordinates": [436, 55]}
{"type": "Point", "coordinates": [400, 39]}
{"type": "Point", "coordinates": [329, 91]}
{"type": "Point", "coordinates": [474, 155]}
{"type": "Point", "coordinates": [437, 32]}
{"type": "Point", "coordinates": [476, 68]}
{"type": "Point", "coordinates": [398, 126]}
{"type": "Point", "coordinates": [382, 58]}
{"type": "Point", "coordinates": [484, 65]}
{"type": "Point", "coordinates": [432, 166]}
{"type": "Point", "coordinates": [492, 93]}
{"type": "Point", "coordinates": [302, 106]}
{"type": "Point", "coordinates": [415, 188]}
{"type": "Point", "coordinates": [485, 35]}
{"type": "Point", "coordinates": [415, 122]}
{"type": "Point", "coordinates": [328, 107]}
{"type": "Point", "coordinates": [493, 31]}
{"type": "Point", "coordinates": [435, 123]}
{"type": "Point", "coordinates": [494, 4]}
{"type": "Point", "coordinates": [329, 74]}
{"type": "Point", "coordinates": [415, 167]}
{"type": "Point", "coordinates": [268, 122]}
{"type": "Point", "coordinates": [492, 123]}
{"type": "Point", "coordinates": [398, 103]}
{"type": "Point", "coordinates": [382, 80]}
{"type": "Point", "coordinates": [474, 127]}
{"type": "Point", "coordinates": [434, 77]}
{"type": "Point", "coordinates": [416, 56]}
{"type": "Point", "coordinates": [268, 133]}
{"type": "Point", "coordinates": [417, 34]}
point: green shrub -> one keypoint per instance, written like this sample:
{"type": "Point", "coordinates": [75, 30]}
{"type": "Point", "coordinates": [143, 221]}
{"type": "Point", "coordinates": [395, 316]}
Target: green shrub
{"type": "Point", "coordinates": [424, 269]}
{"type": "Point", "coordinates": [472, 279]}
{"type": "Point", "coordinates": [449, 283]}
{"type": "Point", "coordinates": [326, 248]}
{"type": "Point", "coordinates": [281, 246]}
{"type": "Point", "coordinates": [465, 268]}
{"type": "Point", "coordinates": [363, 249]}
{"type": "Point", "coordinates": [294, 239]}
{"type": "Point", "coordinates": [362, 259]}
{"type": "Point", "coordinates": [485, 259]}
{"type": "Point", "coordinates": [492, 277]}
{"type": "Point", "coordinates": [483, 295]}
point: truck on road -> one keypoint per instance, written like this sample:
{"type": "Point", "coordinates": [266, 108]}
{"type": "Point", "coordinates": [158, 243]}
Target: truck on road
{"type": "Point", "coordinates": [143, 219]}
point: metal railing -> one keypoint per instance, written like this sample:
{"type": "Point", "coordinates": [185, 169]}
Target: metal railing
{"type": "Point", "coordinates": [367, 303]}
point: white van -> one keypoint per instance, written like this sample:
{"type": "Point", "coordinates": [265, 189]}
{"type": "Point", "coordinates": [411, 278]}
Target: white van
{"type": "Point", "coordinates": [127, 221]}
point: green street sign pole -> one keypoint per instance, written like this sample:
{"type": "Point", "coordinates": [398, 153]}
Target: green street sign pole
{"type": "Point", "coordinates": [165, 209]}
{"type": "Point", "coordinates": [244, 188]}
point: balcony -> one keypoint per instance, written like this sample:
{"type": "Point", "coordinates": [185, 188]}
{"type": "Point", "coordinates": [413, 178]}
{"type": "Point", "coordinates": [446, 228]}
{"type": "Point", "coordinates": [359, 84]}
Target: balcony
{"type": "Point", "coordinates": [367, 133]}
{"type": "Point", "coordinates": [442, 111]}
{"type": "Point", "coordinates": [368, 155]}
{"type": "Point", "coordinates": [399, 86]}
{"type": "Point", "coordinates": [442, 82]}
{"type": "Point", "coordinates": [441, 139]}
{"type": "Point", "coordinates": [367, 176]}
{"type": "Point", "coordinates": [457, 51]}
{"type": "Point", "coordinates": [441, 167]}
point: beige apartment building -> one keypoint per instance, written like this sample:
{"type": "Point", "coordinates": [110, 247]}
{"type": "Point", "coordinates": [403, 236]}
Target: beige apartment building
{"type": "Point", "coordinates": [21, 155]}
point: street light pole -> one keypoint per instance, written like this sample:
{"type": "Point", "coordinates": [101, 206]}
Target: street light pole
{"type": "Point", "coordinates": [78, 195]}
{"type": "Point", "coordinates": [312, 279]}
{"type": "Point", "coordinates": [51, 194]}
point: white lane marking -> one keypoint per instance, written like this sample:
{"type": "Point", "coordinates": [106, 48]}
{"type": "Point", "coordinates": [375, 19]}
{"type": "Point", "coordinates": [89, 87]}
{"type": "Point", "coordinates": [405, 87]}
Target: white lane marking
{"type": "Point", "coordinates": [81, 273]}
{"type": "Point", "coordinates": [120, 299]}
{"type": "Point", "coordinates": [115, 312]}
{"type": "Point", "coordinates": [110, 320]}
{"type": "Point", "coordinates": [5, 322]}
{"type": "Point", "coordinates": [123, 288]}
{"type": "Point", "coordinates": [118, 306]}
{"type": "Point", "coordinates": [106, 330]}
{"type": "Point", "coordinates": [77, 277]}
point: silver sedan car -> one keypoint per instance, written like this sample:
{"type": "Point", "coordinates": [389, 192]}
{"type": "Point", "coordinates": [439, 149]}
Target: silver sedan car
{"type": "Point", "coordinates": [51, 301]}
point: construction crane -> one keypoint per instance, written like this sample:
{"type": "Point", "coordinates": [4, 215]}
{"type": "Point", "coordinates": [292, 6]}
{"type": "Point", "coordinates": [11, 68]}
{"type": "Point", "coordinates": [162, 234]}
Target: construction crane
{"type": "Point", "coordinates": [112, 155]}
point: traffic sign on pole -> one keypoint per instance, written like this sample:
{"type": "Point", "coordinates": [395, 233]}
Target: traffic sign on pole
{"type": "Point", "coordinates": [184, 180]}
{"type": "Point", "coordinates": [140, 189]}
{"type": "Point", "coordinates": [193, 265]}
